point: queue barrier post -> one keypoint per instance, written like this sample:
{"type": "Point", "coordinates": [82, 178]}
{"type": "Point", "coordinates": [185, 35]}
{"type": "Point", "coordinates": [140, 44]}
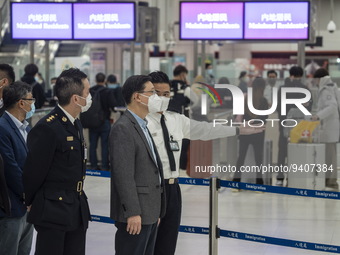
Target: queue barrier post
{"type": "Point", "coordinates": [214, 231]}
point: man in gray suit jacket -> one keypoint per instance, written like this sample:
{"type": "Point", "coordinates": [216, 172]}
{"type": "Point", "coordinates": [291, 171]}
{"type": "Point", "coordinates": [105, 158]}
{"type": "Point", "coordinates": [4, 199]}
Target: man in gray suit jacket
{"type": "Point", "coordinates": [137, 196]}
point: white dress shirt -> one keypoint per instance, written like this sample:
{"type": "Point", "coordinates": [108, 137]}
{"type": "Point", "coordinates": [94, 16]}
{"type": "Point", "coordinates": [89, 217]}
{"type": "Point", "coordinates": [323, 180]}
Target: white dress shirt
{"type": "Point", "coordinates": [20, 125]}
{"type": "Point", "coordinates": [179, 127]}
{"type": "Point", "coordinates": [69, 116]}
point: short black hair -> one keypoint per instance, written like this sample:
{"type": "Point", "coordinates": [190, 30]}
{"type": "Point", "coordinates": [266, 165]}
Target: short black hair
{"type": "Point", "coordinates": [100, 77]}
{"type": "Point", "coordinates": [242, 74]}
{"type": "Point", "coordinates": [296, 71]}
{"type": "Point", "coordinates": [133, 84]}
{"type": "Point", "coordinates": [180, 69]}
{"type": "Point", "coordinates": [69, 83]}
{"type": "Point", "coordinates": [31, 69]}
{"type": "Point", "coordinates": [6, 71]}
{"type": "Point", "coordinates": [321, 72]}
{"type": "Point", "coordinates": [159, 77]}
{"type": "Point", "coordinates": [112, 79]}
{"type": "Point", "coordinates": [272, 71]}
{"type": "Point", "coordinates": [207, 65]}
{"type": "Point", "coordinates": [14, 92]}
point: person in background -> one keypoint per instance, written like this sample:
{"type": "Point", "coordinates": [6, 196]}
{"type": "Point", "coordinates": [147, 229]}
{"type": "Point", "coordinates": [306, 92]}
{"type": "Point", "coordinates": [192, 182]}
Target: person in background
{"type": "Point", "coordinates": [39, 79]}
{"type": "Point", "coordinates": [328, 114]}
{"type": "Point", "coordinates": [294, 81]}
{"type": "Point", "coordinates": [209, 73]}
{"type": "Point", "coordinates": [181, 94]}
{"type": "Point", "coordinates": [54, 99]}
{"type": "Point", "coordinates": [137, 182]}
{"type": "Point", "coordinates": [54, 171]}
{"type": "Point", "coordinates": [108, 102]}
{"type": "Point", "coordinates": [182, 97]}
{"type": "Point", "coordinates": [168, 129]}
{"type": "Point", "coordinates": [111, 82]}
{"type": "Point", "coordinates": [244, 79]}
{"type": "Point", "coordinates": [15, 233]}
{"type": "Point", "coordinates": [29, 77]}
{"type": "Point", "coordinates": [256, 140]}
{"type": "Point", "coordinates": [7, 76]}
{"type": "Point", "coordinates": [272, 82]}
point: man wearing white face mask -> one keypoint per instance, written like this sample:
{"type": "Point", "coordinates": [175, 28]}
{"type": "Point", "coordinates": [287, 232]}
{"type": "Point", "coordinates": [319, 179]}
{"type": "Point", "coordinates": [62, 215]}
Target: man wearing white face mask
{"type": "Point", "coordinates": [168, 129]}
{"type": "Point", "coordinates": [137, 197]}
{"type": "Point", "coordinates": [55, 168]}
{"type": "Point", "coordinates": [7, 76]}
{"type": "Point", "coordinates": [16, 234]}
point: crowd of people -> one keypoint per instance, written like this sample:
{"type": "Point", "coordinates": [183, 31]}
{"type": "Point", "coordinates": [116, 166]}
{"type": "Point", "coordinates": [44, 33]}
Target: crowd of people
{"type": "Point", "coordinates": [42, 168]}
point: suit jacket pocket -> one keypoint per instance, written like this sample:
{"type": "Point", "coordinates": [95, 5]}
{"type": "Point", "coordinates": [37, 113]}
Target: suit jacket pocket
{"type": "Point", "coordinates": [59, 207]}
{"type": "Point", "coordinates": [143, 190]}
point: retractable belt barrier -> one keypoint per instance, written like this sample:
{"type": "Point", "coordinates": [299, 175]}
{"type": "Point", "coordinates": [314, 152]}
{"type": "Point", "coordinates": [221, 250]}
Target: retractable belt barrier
{"type": "Point", "coordinates": [245, 186]}
{"type": "Point", "coordinates": [240, 235]}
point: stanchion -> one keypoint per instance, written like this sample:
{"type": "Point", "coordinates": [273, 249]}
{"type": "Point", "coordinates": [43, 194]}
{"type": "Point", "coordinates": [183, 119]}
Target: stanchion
{"type": "Point", "coordinates": [214, 231]}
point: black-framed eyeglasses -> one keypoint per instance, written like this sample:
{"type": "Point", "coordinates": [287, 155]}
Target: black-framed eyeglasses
{"type": "Point", "coordinates": [29, 99]}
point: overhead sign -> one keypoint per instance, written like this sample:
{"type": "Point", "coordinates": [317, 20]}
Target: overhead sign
{"type": "Point", "coordinates": [41, 21]}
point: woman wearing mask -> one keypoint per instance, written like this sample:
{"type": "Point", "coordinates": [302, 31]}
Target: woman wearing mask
{"type": "Point", "coordinates": [257, 140]}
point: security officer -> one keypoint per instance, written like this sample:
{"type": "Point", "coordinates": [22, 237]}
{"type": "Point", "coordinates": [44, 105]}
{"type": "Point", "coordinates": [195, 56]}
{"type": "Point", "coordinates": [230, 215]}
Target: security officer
{"type": "Point", "coordinates": [55, 170]}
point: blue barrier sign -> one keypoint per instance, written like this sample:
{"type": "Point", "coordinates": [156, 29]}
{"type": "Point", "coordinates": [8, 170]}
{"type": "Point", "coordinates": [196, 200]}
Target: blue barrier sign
{"type": "Point", "coordinates": [281, 242]}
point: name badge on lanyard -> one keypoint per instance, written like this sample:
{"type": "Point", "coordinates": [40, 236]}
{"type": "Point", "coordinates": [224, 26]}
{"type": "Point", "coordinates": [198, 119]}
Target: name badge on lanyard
{"type": "Point", "coordinates": [173, 144]}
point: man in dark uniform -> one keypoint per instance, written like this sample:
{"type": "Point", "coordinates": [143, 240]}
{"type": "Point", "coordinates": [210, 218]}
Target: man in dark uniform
{"type": "Point", "coordinates": [55, 171]}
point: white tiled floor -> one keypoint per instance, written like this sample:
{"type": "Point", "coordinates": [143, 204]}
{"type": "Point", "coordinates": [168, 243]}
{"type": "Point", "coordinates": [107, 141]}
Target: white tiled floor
{"type": "Point", "coordinates": [304, 219]}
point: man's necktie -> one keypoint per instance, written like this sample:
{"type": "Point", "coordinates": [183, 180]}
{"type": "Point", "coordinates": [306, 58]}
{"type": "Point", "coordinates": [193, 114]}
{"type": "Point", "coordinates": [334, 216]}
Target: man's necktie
{"type": "Point", "coordinates": [79, 127]}
{"type": "Point", "coordinates": [167, 145]}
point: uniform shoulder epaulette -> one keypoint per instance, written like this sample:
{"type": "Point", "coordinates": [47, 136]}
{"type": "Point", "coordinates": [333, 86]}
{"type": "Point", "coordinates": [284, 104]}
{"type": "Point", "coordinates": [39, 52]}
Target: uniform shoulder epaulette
{"type": "Point", "coordinates": [51, 118]}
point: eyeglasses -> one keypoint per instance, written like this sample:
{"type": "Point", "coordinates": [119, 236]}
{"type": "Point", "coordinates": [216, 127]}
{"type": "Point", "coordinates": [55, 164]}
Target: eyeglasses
{"type": "Point", "coordinates": [29, 99]}
{"type": "Point", "coordinates": [150, 91]}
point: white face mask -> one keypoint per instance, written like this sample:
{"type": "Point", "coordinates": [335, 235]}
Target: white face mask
{"type": "Point", "coordinates": [154, 104]}
{"type": "Point", "coordinates": [165, 103]}
{"type": "Point", "coordinates": [88, 103]}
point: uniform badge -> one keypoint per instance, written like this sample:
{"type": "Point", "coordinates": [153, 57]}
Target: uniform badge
{"type": "Point", "coordinates": [50, 118]}
{"type": "Point", "coordinates": [69, 138]}
{"type": "Point", "coordinates": [64, 119]}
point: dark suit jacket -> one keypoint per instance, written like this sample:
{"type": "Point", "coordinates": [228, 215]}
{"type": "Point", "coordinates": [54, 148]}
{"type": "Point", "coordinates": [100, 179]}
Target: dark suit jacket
{"type": "Point", "coordinates": [135, 176]}
{"type": "Point", "coordinates": [5, 205]}
{"type": "Point", "coordinates": [13, 151]}
{"type": "Point", "coordinates": [2, 110]}
{"type": "Point", "coordinates": [54, 166]}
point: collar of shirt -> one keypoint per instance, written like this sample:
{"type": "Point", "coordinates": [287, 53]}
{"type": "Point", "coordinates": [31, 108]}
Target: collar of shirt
{"type": "Point", "coordinates": [156, 116]}
{"type": "Point", "coordinates": [142, 123]}
{"type": "Point", "coordinates": [20, 125]}
{"type": "Point", "coordinates": [69, 116]}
